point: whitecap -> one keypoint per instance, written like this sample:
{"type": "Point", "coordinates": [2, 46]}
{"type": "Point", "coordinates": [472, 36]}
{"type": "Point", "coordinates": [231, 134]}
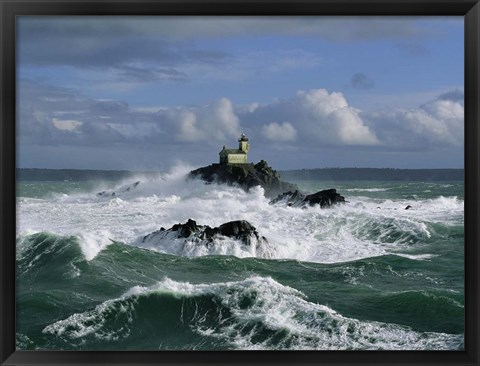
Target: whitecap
{"type": "Point", "coordinates": [272, 307]}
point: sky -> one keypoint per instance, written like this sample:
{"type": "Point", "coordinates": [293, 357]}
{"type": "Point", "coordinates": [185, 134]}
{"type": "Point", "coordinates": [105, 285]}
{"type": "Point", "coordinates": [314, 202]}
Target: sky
{"type": "Point", "coordinates": [149, 93]}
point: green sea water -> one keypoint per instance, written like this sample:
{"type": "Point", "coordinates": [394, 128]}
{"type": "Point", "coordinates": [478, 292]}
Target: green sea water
{"type": "Point", "coordinates": [366, 275]}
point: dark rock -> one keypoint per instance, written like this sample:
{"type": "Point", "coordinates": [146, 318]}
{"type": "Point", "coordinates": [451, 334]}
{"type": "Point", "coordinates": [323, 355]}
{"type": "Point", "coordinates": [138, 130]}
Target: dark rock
{"type": "Point", "coordinates": [203, 234]}
{"type": "Point", "coordinates": [185, 230]}
{"type": "Point", "coordinates": [290, 198]}
{"type": "Point", "coordinates": [325, 198]}
{"type": "Point", "coordinates": [245, 176]}
{"type": "Point", "coordinates": [106, 194]}
{"type": "Point", "coordinates": [134, 185]}
{"type": "Point", "coordinates": [122, 189]}
{"type": "Point", "coordinates": [240, 230]}
{"type": "Point", "coordinates": [408, 207]}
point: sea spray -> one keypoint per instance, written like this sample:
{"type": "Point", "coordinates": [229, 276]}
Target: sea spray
{"type": "Point", "coordinates": [360, 229]}
{"type": "Point", "coordinates": [114, 300]}
{"type": "Point", "coordinates": [256, 313]}
{"type": "Point", "coordinates": [365, 275]}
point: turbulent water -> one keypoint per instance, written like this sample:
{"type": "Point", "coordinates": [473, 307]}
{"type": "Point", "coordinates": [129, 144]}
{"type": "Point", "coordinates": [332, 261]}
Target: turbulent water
{"type": "Point", "coordinates": [365, 275]}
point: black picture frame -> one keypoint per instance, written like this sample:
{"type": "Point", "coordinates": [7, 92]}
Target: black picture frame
{"type": "Point", "coordinates": [10, 9]}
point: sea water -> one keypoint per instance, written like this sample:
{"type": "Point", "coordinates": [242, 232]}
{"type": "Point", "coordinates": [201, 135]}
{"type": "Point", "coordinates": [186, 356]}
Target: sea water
{"type": "Point", "coordinates": [367, 274]}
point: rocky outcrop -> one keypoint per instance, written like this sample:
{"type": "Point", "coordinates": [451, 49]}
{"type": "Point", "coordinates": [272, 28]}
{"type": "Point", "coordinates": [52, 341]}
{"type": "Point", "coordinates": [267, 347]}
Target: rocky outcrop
{"type": "Point", "coordinates": [120, 191]}
{"type": "Point", "coordinates": [325, 198]}
{"type": "Point", "coordinates": [245, 176]}
{"type": "Point", "coordinates": [205, 235]}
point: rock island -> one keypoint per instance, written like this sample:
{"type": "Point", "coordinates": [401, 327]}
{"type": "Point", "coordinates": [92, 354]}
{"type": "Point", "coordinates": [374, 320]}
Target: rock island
{"type": "Point", "coordinates": [233, 169]}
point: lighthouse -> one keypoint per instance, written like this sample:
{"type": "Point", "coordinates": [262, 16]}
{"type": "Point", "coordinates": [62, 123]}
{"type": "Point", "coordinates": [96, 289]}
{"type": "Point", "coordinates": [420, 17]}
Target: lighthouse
{"type": "Point", "coordinates": [236, 156]}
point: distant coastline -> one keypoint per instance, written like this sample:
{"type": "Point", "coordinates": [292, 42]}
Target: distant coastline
{"type": "Point", "coordinates": [38, 175]}
{"type": "Point", "coordinates": [379, 174]}
{"type": "Point", "coordinates": [328, 174]}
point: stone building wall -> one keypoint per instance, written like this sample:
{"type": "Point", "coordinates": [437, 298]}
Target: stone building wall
{"type": "Point", "coordinates": [237, 158]}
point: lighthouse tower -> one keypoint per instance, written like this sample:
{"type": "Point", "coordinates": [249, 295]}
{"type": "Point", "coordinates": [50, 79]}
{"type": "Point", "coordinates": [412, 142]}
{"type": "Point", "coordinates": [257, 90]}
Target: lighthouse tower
{"type": "Point", "coordinates": [243, 144]}
{"type": "Point", "coordinates": [236, 156]}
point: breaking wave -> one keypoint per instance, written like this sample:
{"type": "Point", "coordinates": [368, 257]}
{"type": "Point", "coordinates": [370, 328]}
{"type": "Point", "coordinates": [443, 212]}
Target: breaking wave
{"type": "Point", "coordinates": [365, 227]}
{"type": "Point", "coordinates": [255, 313]}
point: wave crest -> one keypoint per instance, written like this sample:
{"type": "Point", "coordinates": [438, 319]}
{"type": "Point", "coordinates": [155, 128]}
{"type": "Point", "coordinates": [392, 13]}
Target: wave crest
{"type": "Point", "coordinates": [255, 313]}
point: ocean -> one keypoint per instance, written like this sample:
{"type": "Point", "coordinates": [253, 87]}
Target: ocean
{"type": "Point", "coordinates": [365, 275]}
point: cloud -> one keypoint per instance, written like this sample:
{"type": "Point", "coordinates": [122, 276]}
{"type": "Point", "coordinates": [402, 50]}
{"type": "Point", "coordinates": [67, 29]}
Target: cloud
{"type": "Point", "coordinates": [439, 122]}
{"type": "Point", "coordinates": [436, 124]}
{"type": "Point", "coordinates": [279, 132]}
{"type": "Point", "coordinates": [314, 116]}
{"type": "Point", "coordinates": [453, 95]}
{"type": "Point", "coordinates": [213, 122]}
{"type": "Point", "coordinates": [66, 124]}
{"type": "Point", "coordinates": [332, 120]}
{"type": "Point", "coordinates": [318, 117]}
{"type": "Point", "coordinates": [321, 118]}
{"type": "Point", "coordinates": [181, 28]}
{"type": "Point", "coordinates": [131, 44]}
{"type": "Point", "coordinates": [362, 81]}
{"type": "Point", "coordinates": [310, 120]}
{"type": "Point", "coordinates": [252, 64]}
{"type": "Point", "coordinates": [126, 73]}
{"type": "Point", "coordinates": [44, 118]}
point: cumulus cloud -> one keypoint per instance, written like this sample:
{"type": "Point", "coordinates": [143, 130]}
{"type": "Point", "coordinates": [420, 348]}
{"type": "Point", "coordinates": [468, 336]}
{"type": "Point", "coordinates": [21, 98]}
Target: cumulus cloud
{"type": "Point", "coordinates": [322, 118]}
{"type": "Point", "coordinates": [331, 119]}
{"type": "Point", "coordinates": [316, 116]}
{"type": "Point", "coordinates": [437, 123]}
{"type": "Point", "coordinates": [45, 119]}
{"type": "Point", "coordinates": [313, 119]}
{"type": "Point", "coordinates": [440, 122]}
{"type": "Point", "coordinates": [279, 132]}
{"type": "Point", "coordinates": [216, 121]}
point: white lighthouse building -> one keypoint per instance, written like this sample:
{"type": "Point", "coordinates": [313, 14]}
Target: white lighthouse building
{"type": "Point", "coordinates": [236, 156]}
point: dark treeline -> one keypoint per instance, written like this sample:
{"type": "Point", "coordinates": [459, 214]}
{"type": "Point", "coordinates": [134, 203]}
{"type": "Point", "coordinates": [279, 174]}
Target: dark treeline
{"type": "Point", "coordinates": [76, 174]}
{"type": "Point", "coordinates": [379, 174]}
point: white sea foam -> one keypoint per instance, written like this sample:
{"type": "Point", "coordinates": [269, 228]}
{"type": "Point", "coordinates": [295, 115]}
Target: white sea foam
{"type": "Point", "coordinates": [272, 308]}
{"type": "Point", "coordinates": [367, 189]}
{"type": "Point", "coordinates": [418, 256]}
{"type": "Point", "coordinates": [93, 243]}
{"type": "Point", "coordinates": [195, 247]}
{"type": "Point", "coordinates": [340, 234]}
